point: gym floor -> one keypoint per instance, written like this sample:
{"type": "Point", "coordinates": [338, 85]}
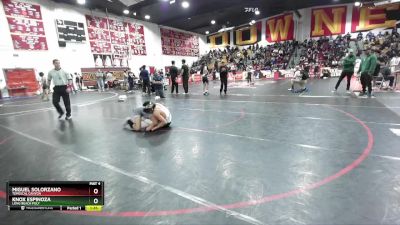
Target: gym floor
{"type": "Point", "coordinates": [260, 155]}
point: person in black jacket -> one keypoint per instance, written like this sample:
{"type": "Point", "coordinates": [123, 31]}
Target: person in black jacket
{"type": "Point", "coordinates": [223, 76]}
{"type": "Point", "coordinates": [173, 72]}
{"type": "Point", "coordinates": [145, 77]}
{"type": "Point", "coordinates": [185, 76]}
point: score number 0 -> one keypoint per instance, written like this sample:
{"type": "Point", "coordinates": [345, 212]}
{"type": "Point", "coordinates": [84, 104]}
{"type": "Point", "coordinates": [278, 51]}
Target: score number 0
{"type": "Point", "coordinates": [95, 191]}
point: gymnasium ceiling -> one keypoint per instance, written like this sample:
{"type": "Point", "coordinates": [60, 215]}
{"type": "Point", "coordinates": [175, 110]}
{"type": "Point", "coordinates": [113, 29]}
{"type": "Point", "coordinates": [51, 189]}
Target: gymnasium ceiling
{"type": "Point", "coordinates": [197, 18]}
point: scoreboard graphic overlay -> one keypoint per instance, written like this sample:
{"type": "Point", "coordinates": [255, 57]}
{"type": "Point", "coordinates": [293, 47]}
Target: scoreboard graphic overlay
{"type": "Point", "coordinates": [55, 195]}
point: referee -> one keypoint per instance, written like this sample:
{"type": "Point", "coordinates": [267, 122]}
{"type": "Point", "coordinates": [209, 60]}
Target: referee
{"type": "Point", "coordinates": [61, 80]}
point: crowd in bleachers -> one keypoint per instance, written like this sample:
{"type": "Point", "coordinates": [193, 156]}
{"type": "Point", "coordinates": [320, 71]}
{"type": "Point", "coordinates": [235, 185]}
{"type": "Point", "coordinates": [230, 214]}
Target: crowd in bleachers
{"type": "Point", "coordinates": [386, 45]}
{"type": "Point", "coordinates": [276, 56]}
{"type": "Point", "coordinates": [324, 51]}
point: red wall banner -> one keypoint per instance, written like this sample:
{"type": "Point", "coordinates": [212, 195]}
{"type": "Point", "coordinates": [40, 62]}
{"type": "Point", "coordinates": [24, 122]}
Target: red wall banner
{"type": "Point", "coordinates": [21, 9]}
{"type": "Point", "coordinates": [179, 43]}
{"type": "Point", "coordinates": [280, 28]}
{"type": "Point", "coordinates": [136, 39]}
{"type": "Point", "coordinates": [29, 42]}
{"type": "Point", "coordinates": [328, 21]}
{"type": "Point", "coordinates": [109, 36]}
{"type": "Point", "coordinates": [26, 25]}
{"type": "Point", "coordinates": [31, 27]}
{"type": "Point", "coordinates": [366, 18]}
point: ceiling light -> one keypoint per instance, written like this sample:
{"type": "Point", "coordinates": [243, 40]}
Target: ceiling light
{"type": "Point", "coordinates": [172, 2]}
{"type": "Point", "coordinates": [134, 13]}
{"type": "Point", "coordinates": [185, 4]}
{"type": "Point", "coordinates": [126, 12]}
{"type": "Point", "coordinates": [224, 28]}
{"type": "Point", "coordinates": [207, 32]}
{"type": "Point", "coordinates": [82, 2]}
{"type": "Point", "coordinates": [212, 21]}
{"type": "Point", "coordinates": [257, 12]}
{"type": "Point", "coordinates": [357, 4]}
{"type": "Point", "coordinates": [253, 21]}
{"type": "Point", "coordinates": [147, 17]}
{"type": "Point", "coordinates": [250, 23]}
{"type": "Point", "coordinates": [385, 2]}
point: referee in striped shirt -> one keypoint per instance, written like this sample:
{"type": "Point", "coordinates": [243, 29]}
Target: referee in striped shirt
{"type": "Point", "coordinates": [61, 80]}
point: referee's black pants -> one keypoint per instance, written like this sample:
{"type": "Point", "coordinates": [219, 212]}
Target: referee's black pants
{"type": "Point", "coordinates": [61, 92]}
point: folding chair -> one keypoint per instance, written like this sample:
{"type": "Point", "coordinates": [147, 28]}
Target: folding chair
{"type": "Point", "coordinates": [380, 82]}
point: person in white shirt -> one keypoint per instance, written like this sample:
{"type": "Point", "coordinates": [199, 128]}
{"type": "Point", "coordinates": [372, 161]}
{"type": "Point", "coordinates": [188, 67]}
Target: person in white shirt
{"type": "Point", "coordinates": [395, 64]}
{"type": "Point", "coordinates": [299, 78]}
{"type": "Point", "coordinates": [109, 79]}
{"type": "Point", "coordinates": [204, 75]}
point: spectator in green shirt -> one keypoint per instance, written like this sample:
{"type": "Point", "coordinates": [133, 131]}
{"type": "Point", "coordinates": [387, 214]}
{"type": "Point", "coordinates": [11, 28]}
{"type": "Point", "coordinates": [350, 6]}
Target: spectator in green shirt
{"type": "Point", "coordinates": [367, 70]}
{"type": "Point", "coordinates": [348, 70]}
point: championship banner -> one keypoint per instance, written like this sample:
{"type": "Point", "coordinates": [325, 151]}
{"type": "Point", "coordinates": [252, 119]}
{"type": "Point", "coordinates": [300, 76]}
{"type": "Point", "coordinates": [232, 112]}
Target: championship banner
{"type": "Point", "coordinates": [136, 35]}
{"type": "Point", "coordinates": [367, 18]}
{"type": "Point", "coordinates": [29, 42]}
{"type": "Point", "coordinates": [328, 21]}
{"type": "Point", "coordinates": [280, 28]}
{"type": "Point", "coordinates": [26, 25]}
{"type": "Point", "coordinates": [100, 46]}
{"type": "Point", "coordinates": [21, 9]}
{"type": "Point", "coordinates": [99, 35]}
{"type": "Point", "coordinates": [179, 43]}
{"type": "Point", "coordinates": [219, 40]}
{"type": "Point", "coordinates": [247, 35]}
{"type": "Point", "coordinates": [115, 37]}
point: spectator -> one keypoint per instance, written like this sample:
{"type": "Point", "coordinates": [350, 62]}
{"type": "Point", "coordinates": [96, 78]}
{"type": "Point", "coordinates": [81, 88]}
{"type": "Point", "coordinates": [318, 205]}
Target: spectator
{"type": "Point", "coordinates": [300, 77]}
{"type": "Point", "coordinates": [78, 81]}
{"type": "Point", "coordinates": [387, 75]}
{"type": "Point", "coordinates": [204, 77]}
{"type": "Point", "coordinates": [100, 81]}
{"type": "Point", "coordinates": [158, 84]}
{"type": "Point", "coordinates": [223, 77]}
{"type": "Point", "coordinates": [348, 70]}
{"type": "Point", "coordinates": [185, 76]}
{"type": "Point", "coordinates": [145, 78]}
{"type": "Point", "coordinates": [367, 70]}
{"type": "Point", "coordinates": [45, 87]}
{"type": "Point", "coordinates": [173, 71]}
{"type": "Point", "coordinates": [130, 80]}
